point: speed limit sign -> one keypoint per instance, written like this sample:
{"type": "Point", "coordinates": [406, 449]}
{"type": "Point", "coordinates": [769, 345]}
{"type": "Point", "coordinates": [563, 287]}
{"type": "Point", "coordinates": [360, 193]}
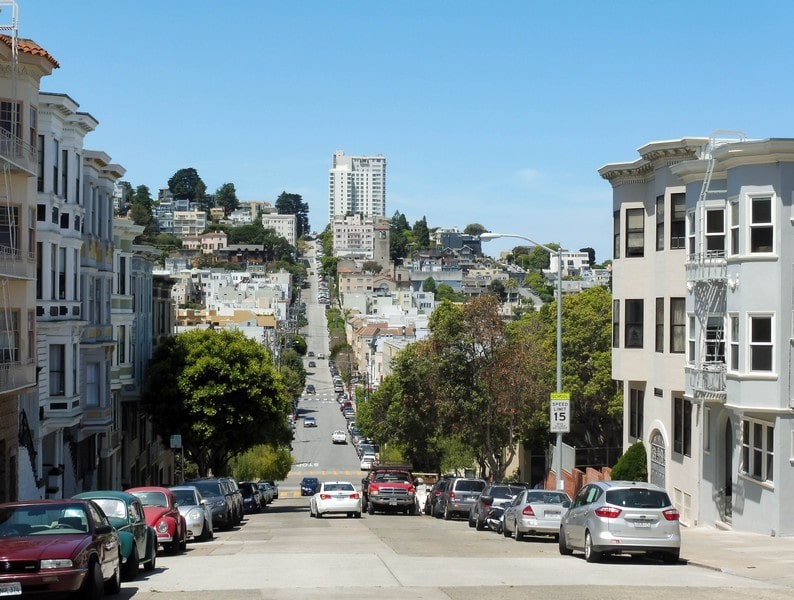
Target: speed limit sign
{"type": "Point", "coordinates": [560, 416]}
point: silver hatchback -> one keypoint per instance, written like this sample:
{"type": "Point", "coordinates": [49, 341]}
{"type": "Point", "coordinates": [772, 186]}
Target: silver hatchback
{"type": "Point", "coordinates": [534, 512]}
{"type": "Point", "coordinates": [621, 517]}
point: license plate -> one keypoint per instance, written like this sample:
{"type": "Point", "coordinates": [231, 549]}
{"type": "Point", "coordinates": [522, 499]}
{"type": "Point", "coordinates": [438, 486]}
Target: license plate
{"type": "Point", "coordinates": [642, 523]}
{"type": "Point", "coordinates": [11, 589]}
{"type": "Point", "coordinates": [552, 513]}
{"type": "Point", "coordinates": [393, 502]}
{"type": "Point", "coordinates": [468, 499]}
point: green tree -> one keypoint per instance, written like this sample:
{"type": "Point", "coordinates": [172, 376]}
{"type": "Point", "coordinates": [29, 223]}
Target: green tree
{"type": "Point", "coordinates": [262, 462]}
{"type": "Point", "coordinates": [126, 196]}
{"type": "Point", "coordinates": [429, 285]}
{"type": "Point", "coordinates": [220, 391]}
{"type": "Point", "coordinates": [372, 266]}
{"type": "Point", "coordinates": [293, 204]}
{"type": "Point", "coordinates": [398, 237]}
{"type": "Point", "coordinates": [633, 465]}
{"type": "Point", "coordinates": [474, 229]}
{"type": "Point", "coordinates": [421, 233]}
{"type": "Point", "coordinates": [497, 288]}
{"type": "Point", "coordinates": [445, 292]}
{"type": "Point", "coordinates": [591, 255]}
{"type": "Point", "coordinates": [186, 184]}
{"type": "Point", "coordinates": [226, 198]}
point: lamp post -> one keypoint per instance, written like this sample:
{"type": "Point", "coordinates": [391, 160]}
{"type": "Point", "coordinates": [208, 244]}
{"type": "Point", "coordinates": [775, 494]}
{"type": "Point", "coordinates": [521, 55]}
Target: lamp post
{"type": "Point", "coordinates": [486, 237]}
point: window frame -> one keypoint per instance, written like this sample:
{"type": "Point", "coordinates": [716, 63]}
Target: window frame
{"type": "Point", "coordinates": [757, 456]}
{"type": "Point", "coordinates": [754, 226]}
{"type": "Point", "coordinates": [659, 325]}
{"type": "Point", "coordinates": [57, 372]}
{"type": "Point", "coordinates": [636, 412]}
{"type": "Point", "coordinates": [660, 214]}
{"type": "Point", "coordinates": [634, 323]}
{"type": "Point", "coordinates": [616, 323]}
{"type": "Point", "coordinates": [677, 328]}
{"type": "Point", "coordinates": [678, 221]}
{"type": "Point", "coordinates": [682, 426]}
{"type": "Point", "coordinates": [733, 363]}
{"type": "Point", "coordinates": [635, 232]}
{"type": "Point", "coordinates": [714, 237]}
{"type": "Point", "coordinates": [753, 344]}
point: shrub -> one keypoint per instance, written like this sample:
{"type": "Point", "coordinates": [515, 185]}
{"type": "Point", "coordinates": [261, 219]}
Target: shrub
{"type": "Point", "coordinates": [633, 465]}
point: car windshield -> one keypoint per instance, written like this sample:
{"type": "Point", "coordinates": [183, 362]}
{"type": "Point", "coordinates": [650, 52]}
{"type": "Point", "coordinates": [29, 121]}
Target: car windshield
{"type": "Point", "coordinates": [112, 507]}
{"type": "Point", "coordinates": [338, 487]}
{"type": "Point", "coordinates": [542, 497]}
{"type": "Point", "coordinates": [638, 498]}
{"type": "Point", "coordinates": [185, 497]}
{"type": "Point", "coordinates": [466, 485]}
{"type": "Point", "coordinates": [152, 498]}
{"type": "Point", "coordinates": [400, 477]}
{"type": "Point", "coordinates": [209, 488]}
{"type": "Point", "coordinates": [22, 521]}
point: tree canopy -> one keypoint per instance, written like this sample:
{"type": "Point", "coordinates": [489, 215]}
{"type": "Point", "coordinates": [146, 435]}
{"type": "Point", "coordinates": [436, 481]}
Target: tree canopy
{"type": "Point", "coordinates": [186, 184]}
{"type": "Point", "coordinates": [474, 229]}
{"type": "Point", "coordinates": [221, 392]}
{"type": "Point", "coordinates": [226, 198]}
{"type": "Point", "coordinates": [293, 204]}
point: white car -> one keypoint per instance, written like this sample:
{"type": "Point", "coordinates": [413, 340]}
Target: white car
{"type": "Point", "coordinates": [368, 461]}
{"type": "Point", "coordinates": [339, 437]}
{"type": "Point", "coordinates": [336, 497]}
{"type": "Point", "coordinates": [197, 513]}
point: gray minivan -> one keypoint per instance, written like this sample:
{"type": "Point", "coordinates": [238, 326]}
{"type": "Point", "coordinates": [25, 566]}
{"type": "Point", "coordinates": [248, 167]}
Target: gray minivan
{"type": "Point", "coordinates": [457, 497]}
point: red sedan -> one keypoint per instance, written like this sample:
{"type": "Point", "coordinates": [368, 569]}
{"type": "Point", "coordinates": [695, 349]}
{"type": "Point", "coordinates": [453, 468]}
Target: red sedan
{"type": "Point", "coordinates": [162, 513]}
{"type": "Point", "coordinates": [58, 547]}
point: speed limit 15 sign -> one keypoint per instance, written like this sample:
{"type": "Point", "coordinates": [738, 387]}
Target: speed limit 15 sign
{"type": "Point", "coordinates": [560, 413]}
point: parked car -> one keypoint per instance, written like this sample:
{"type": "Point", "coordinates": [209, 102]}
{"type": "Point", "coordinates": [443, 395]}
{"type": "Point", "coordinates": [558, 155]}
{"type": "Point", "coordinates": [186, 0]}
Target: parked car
{"type": "Point", "coordinates": [312, 364]}
{"type": "Point", "coordinates": [237, 498]}
{"type": "Point", "coordinates": [339, 437]}
{"type": "Point", "coordinates": [74, 547]}
{"type": "Point", "coordinates": [219, 501]}
{"type": "Point", "coordinates": [274, 484]}
{"type": "Point", "coordinates": [431, 500]}
{"type": "Point", "coordinates": [535, 512]}
{"type": "Point", "coordinates": [196, 510]}
{"type": "Point", "coordinates": [621, 517]}
{"type": "Point", "coordinates": [368, 461]}
{"type": "Point", "coordinates": [457, 498]}
{"type": "Point", "coordinates": [309, 422]}
{"type": "Point", "coordinates": [309, 486]}
{"type": "Point", "coordinates": [137, 539]}
{"type": "Point", "coordinates": [339, 497]}
{"type": "Point", "coordinates": [495, 494]}
{"type": "Point", "coordinates": [253, 501]}
{"type": "Point", "coordinates": [310, 389]}
{"type": "Point", "coordinates": [268, 492]}
{"type": "Point", "coordinates": [162, 513]}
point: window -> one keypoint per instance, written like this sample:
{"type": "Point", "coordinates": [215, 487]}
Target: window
{"type": "Point", "coordinates": [78, 169]}
{"type": "Point", "coordinates": [677, 221]}
{"type": "Point", "coordinates": [33, 127]}
{"type": "Point", "coordinates": [9, 227]}
{"type": "Point", "coordinates": [635, 232]}
{"type": "Point", "coordinates": [39, 270]}
{"type": "Point", "coordinates": [616, 234]}
{"type": "Point", "coordinates": [682, 426]}
{"type": "Point", "coordinates": [10, 118]}
{"type": "Point", "coordinates": [733, 212]}
{"type": "Point", "coordinates": [616, 323]}
{"type": "Point", "coordinates": [122, 275]}
{"type": "Point", "coordinates": [660, 222]}
{"type": "Point", "coordinates": [56, 152]}
{"type": "Point", "coordinates": [691, 340]}
{"type": "Point", "coordinates": [122, 345]}
{"type": "Point", "coordinates": [715, 340]}
{"type": "Point", "coordinates": [65, 174]}
{"type": "Point", "coordinates": [92, 384]}
{"type": "Point", "coordinates": [636, 409]}
{"type": "Point", "coordinates": [761, 343]}
{"type": "Point", "coordinates": [57, 370]}
{"type": "Point", "coordinates": [31, 334]}
{"type": "Point", "coordinates": [9, 337]}
{"type": "Point", "coordinates": [62, 273]}
{"type": "Point", "coordinates": [40, 164]}
{"type": "Point", "coordinates": [715, 232]}
{"type": "Point", "coordinates": [734, 342]}
{"type": "Point", "coordinates": [761, 229]}
{"type": "Point", "coordinates": [677, 325]}
{"type": "Point", "coordinates": [692, 246]}
{"type": "Point", "coordinates": [758, 449]}
{"type": "Point", "coordinates": [659, 326]}
{"type": "Point", "coordinates": [634, 324]}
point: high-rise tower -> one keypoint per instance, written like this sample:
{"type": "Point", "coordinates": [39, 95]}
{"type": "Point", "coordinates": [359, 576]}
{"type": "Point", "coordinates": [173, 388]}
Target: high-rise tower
{"type": "Point", "coordinates": [357, 185]}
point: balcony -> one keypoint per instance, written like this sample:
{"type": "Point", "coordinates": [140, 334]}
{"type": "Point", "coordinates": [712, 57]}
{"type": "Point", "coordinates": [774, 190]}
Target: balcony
{"type": "Point", "coordinates": [709, 267]}
{"type": "Point", "coordinates": [20, 155]}
{"type": "Point", "coordinates": [63, 410]}
{"type": "Point", "coordinates": [707, 380]}
{"type": "Point", "coordinates": [16, 376]}
{"type": "Point", "coordinates": [17, 264]}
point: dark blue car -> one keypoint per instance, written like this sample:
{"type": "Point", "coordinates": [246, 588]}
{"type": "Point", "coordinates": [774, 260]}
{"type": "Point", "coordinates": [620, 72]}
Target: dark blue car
{"type": "Point", "coordinates": [309, 486]}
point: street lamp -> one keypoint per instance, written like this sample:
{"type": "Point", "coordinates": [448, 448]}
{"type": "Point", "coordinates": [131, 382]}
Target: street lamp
{"type": "Point", "coordinates": [486, 237]}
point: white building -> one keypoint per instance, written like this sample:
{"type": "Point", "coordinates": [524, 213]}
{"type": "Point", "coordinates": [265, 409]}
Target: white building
{"type": "Point", "coordinates": [573, 263]}
{"type": "Point", "coordinates": [284, 226]}
{"type": "Point", "coordinates": [702, 322]}
{"type": "Point", "coordinates": [357, 185]}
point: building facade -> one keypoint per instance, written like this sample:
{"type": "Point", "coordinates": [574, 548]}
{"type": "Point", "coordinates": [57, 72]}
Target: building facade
{"type": "Point", "coordinates": [703, 324]}
{"type": "Point", "coordinates": [357, 185]}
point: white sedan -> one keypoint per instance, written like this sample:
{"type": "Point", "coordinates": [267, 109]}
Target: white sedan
{"type": "Point", "coordinates": [340, 497]}
{"type": "Point", "coordinates": [339, 437]}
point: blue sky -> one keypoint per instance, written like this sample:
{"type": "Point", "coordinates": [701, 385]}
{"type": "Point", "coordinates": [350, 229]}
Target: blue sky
{"type": "Point", "coordinates": [497, 113]}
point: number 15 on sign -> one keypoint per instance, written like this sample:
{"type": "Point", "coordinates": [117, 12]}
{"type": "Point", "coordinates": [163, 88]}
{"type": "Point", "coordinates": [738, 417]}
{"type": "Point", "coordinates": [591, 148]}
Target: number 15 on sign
{"type": "Point", "coordinates": [560, 417]}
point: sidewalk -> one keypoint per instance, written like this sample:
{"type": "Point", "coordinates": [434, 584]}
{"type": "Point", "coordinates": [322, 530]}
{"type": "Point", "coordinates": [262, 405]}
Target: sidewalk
{"type": "Point", "coordinates": [761, 557]}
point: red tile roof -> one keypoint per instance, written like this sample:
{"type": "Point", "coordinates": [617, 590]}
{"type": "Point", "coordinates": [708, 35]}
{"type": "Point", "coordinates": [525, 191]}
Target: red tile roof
{"type": "Point", "coordinates": [29, 47]}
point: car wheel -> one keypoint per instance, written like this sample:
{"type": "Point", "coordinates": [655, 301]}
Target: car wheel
{"type": "Point", "coordinates": [183, 543]}
{"type": "Point", "coordinates": [564, 549]}
{"type": "Point", "coordinates": [447, 514]}
{"type": "Point", "coordinates": [94, 586]}
{"type": "Point", "coordinates": [358, 515]}
{"type": "Point", "coordinates": [505, 531]}
{"type": "Point", "coordinates": [671, 558]}
{"type": "Point", "coordinates": [472, 520]}
{"type": "Point", "coordinates": [590, 554]}
{"type": "Point", "coordinates": [519, 534]}
{"type": "Point", "coordinates": [370, 508]}
{"type": "Point", "coordinates": [412, 510]}
{"type": "Point", "coordinates": [205, 533]}
{"type": "Point", "coordinates": [480, 525]}
{"type": "Point", "coordinates": [151, 564]}
{"type": "Point", "coordinates": [131, 566]}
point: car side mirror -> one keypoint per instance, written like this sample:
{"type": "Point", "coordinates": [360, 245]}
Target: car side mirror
{"type": "Point", "coordinates": [103, 529]}
{"type": "Point", "coordinates": [566, 503]}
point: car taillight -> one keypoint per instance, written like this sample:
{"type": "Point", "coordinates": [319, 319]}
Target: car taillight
{"type": "Point", "coordinates": [355, 496]}
{"type": "Point", "coordinates": [436, 493]}
{"type": "Point", "coordinates": [325, 496]}
{"type": "Point", "coordinates": [452, 495]}
{"type": "Point", "coordinates": [671, 514]}
{"type": "Point", "coordinates": [528, 512]}
{"type": "Point", "coordinates": [607, 512]}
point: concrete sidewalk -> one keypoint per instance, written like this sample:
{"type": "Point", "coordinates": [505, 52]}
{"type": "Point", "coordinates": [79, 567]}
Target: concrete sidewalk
{"type": "Point", "coordinates": [765, 558]}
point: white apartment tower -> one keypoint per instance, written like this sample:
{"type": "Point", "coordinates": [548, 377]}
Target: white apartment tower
{"type": "Point", "coordinates": [357, 185]}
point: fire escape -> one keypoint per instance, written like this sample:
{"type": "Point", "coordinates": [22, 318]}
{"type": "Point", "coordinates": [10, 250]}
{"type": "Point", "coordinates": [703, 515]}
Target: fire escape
{"type": "Point", "coordinates": [707, 280]}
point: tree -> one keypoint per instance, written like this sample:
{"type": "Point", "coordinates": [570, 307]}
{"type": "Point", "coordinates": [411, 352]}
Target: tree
{"type": "Point", "coordinates": [421, 233]}
{"type": "Point", "coordinates": [186, 184]}
{"type": "Point", "coordinates": [445, 292]}
{"type": "Point", "coordinates": [497, 288]}
{"type": "Point", "coordinates": [126, 196]}
{"type": "Point", "coordinates": [398, 237]}
{"type": "Point", "coordinates": [220, 391]}
{"type": "Point", "coordinates": [429, 285]}
{"type": "Point", "coordinates": [591, 256]}
{"type": "Point", "coordinates": [474, 229]}
{"type": "Point", "coordinates": [262, 462]}
{"type": "Point", "coordinates": [633, 465]}
{"type": "Point", "coordinates": [372, 266]}
{"type": "Point", "coordinates": [226, 198]}
{"type": "Point", "coordinates": [293, 204]}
